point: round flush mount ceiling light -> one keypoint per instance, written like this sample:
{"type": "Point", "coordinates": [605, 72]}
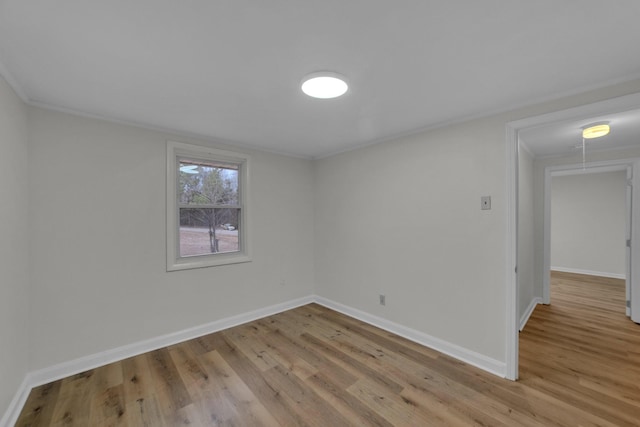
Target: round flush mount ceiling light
{"type": "Point", "coordinates": [595, 131]}
{"type": "Point", "coordinates": [324, 85]}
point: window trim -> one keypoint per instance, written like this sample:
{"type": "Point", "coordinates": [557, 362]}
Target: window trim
{"type": "Point", "coordinates": [176, 151]}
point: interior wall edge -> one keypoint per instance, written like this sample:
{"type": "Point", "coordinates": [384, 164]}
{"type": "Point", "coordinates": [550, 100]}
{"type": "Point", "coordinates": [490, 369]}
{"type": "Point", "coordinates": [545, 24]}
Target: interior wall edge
{"type": "Point", "coordinates": [17, 403]}
{"type": "Point", "coordinates": [13, 83]}
{"type": "Point", "coordinates": [529, 311]}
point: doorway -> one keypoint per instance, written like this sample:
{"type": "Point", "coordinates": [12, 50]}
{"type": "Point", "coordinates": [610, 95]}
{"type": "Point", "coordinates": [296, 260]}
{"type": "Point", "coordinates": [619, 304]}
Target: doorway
{"type": "Point", "coordinates": [539, 263]}
{"type": "Point", "coordinates": [587, 222]}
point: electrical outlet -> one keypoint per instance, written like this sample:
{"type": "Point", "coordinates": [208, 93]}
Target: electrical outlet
{"type": "Point", "coordinates": [383, 300]}
{"type": "Point", "coordinates": [485, 203]}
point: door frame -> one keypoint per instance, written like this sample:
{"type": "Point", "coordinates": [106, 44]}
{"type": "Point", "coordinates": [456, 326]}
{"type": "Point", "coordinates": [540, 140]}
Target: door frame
{"type": "Point", "coordinates": [630, 166]}
{"type": "Point", "coordinates": [512, 324]}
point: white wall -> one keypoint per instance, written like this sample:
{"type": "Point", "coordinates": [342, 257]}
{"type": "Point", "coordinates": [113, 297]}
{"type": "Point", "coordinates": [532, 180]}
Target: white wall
{"type": "Point", "coordinates": [527, 289]}
{"type": "Point", "coordinates": [14, 275]}
{"type": "Point", "coordinates": [588, 223]}
{"type": "Point", "coordinates": [97, 213]}
{"type": "Point", "coordinates": [403, 219]}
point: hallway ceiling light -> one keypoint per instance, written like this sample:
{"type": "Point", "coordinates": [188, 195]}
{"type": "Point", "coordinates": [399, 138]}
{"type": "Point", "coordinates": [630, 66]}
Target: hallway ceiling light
{"type": "Point", "coordinates": [596, 131]}
{"type": "Point", "coordinates": [324, 85]}
{"type": "Point", "coordinates": [591, 132]}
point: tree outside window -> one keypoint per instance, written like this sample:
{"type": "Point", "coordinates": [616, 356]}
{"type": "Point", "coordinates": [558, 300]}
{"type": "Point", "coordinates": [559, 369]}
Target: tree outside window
{"type": "Point", "coordinates": [209, 209]}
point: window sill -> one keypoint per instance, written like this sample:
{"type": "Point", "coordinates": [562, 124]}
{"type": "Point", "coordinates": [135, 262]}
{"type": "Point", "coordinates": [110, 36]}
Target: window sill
{"type": "Point", "coordinates": [207, 261]}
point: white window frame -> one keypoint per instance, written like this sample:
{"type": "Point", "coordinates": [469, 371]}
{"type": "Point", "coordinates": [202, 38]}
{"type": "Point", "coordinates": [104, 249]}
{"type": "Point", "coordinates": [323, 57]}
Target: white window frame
{"type": "Point", "coordinates": [176, 151]}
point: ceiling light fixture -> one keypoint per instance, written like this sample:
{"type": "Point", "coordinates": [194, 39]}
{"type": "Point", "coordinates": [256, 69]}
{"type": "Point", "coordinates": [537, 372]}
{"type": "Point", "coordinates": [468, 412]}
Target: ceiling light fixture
{"type": "Point", "coordinates": [324, 85]}
{"type": "Point", "coordinates": [590, 132]}
{"type": "Point", "coordinates": [595, 131]}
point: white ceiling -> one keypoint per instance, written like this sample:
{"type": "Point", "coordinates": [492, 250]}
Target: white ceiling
{"type": "Point", "coordinates": [231, 69]}
{"type": "Point", "coordinates": [566, 137]}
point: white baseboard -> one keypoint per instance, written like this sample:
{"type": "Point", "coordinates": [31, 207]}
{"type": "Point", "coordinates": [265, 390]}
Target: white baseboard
{"type": "Point", "coordinates": [588, 272]}
{"type": "Point", "coordinates": [478, 360]}
{"type": "Point", "coordinates": [72, 367]}
{"type": "Point", "coordinates": [527, 313]}
{"type": "Point", "coordinates": [17, 403]}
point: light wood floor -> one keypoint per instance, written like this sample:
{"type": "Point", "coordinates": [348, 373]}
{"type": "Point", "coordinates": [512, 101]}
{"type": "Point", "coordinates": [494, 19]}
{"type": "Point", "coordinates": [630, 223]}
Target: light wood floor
{"type": "Point", "coordinates": [580, 365]}
{"type": "Point", "coordinates": [583, 351]}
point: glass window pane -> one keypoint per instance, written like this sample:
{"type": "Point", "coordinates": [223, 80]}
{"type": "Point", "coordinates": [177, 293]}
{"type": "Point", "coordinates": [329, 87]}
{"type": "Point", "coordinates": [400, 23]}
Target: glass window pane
{"type": "Point", "coordinates": [202, 182]}
{"type": "Point", "coordinates": [208, 231]}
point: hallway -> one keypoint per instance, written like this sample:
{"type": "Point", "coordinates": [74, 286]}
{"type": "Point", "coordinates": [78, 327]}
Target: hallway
{"type": "Point", "coordinates": [583, 350]}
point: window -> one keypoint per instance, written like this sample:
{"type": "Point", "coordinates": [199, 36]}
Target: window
{"type": "Point", "coordinates": [206, 207]}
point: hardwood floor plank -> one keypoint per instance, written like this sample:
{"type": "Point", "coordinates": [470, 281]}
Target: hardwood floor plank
{"type": "Point", "coordinates": [599, 405]}
{"type": "Point", "coordinates": [320, 361]}
{"type": "Point", "coordinates": [192, 371]}
{"type": "Point", "coordinates": [249, 410]}
{"type": "Point", "coordinates": [255, 350]}
{"type": "Point", "coordinates": [391, 406]}
{"type": "Point", "coordinates": [136, 379]}
{"type": "Point", "coordinates": [169, 387]}
{"type": "Point", "coordinates": [38, 409]}
{"type": "Point", "coordinates": [71, 411]}
{"type": "Point", "coordinates": [189, 415]}
{"type": "Point", "coordinates": [446, 408]}
{"type": "Point", "coordinates": [271, 397]}
{"type": "Point", "coordinates": [108, 407]}
{"type": "Point", "coordinates": [303, 400]}
{"type": "Point", "coordinates": [349, 363]}
{"type": "Point", "coordinates": [344, 402]}
{"type": "Point", "coordinates": [285, 357]}
{"type": "Point", "coordinates": [145, 412]}
{"type": "Point", "coordinates": [390, 341]}
{"type": "Point", "coordinates": [73, 405]}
